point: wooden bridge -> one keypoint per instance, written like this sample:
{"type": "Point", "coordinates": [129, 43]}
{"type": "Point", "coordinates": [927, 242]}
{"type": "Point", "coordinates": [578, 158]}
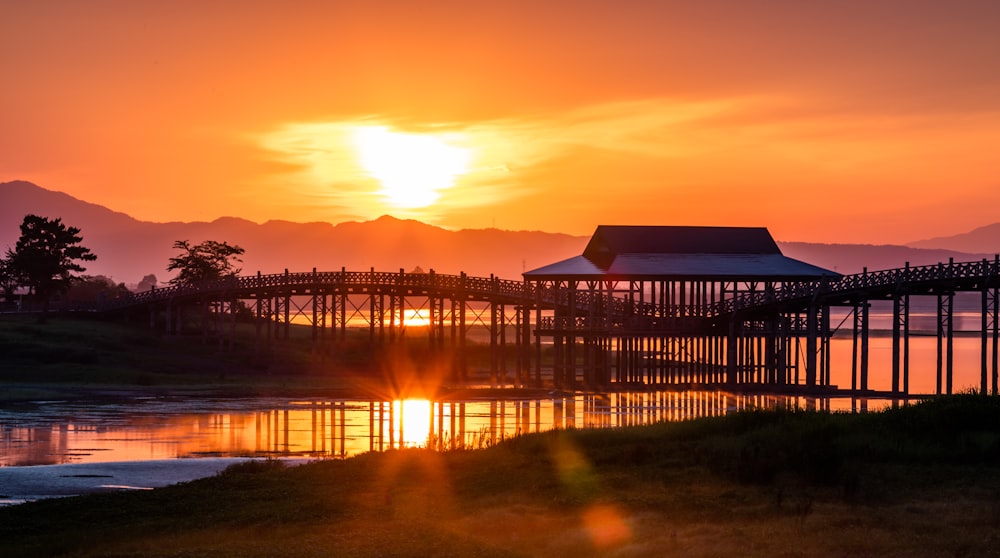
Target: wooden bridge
{"type": "Point", "coordinates": [749, 335]}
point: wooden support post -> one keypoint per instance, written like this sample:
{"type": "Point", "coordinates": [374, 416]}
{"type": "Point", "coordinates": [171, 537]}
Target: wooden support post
{"type": "Point", "coordinates": [984, 338]}
{"type": "Point", "coordinates": [463, 362]}
{"type": "Point", "coordinates": [232, 322]}
{"type": "Point", "coordinates": [896, 337]}
{"type": "Point", "coordinates": [432, 312]}
{"type": "Point", "coordinates": [950, 355]}
{"type": "Point", "coordinates": [454, 336]}
{"type": "Point", "coordinates": [825, 336]}
{"type": "Point", "coordinates": [502, 322]}
{"type": "Point", "coordinates": [940, 349]}
{"type": "Point", "coordinates": [269, 316]}
{"type": "Point", "coordinates": [865, 321]}
{"type": "Point", "coordinates": [493, 345]}
{"type": "Point", "coordinates": [570, 347]}
{"type": "Point", "coordinates": [945, 341]}
{"type": "Point", "coordinates": [856, 314]}
{"type": "Point", "coordinates": [996, 328]}
{"type": "Point", "coordinates": [258, 315]}
{"type": "Point", "coordinates": [342, 302]}
{"type": "Point", "coordinates": [392, 314]}
{"type": "Point", "coordinates": [314, 322]}
{"type": "Point", "coordinates": [371, 319]}
{"type": "Point", "coordinates": [812, 330]}
{"type": "Point", "coordinates": [539, 286]}
{"type": "Point", "coordinates": [288, 304]}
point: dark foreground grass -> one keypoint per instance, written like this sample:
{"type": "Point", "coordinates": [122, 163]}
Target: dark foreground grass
{"type": "Point", "coordinates": [81, 350]}
{"type": "Point", "coordinates": [84, 357]}
{"type": "Point", "coordinates": [916, 481]}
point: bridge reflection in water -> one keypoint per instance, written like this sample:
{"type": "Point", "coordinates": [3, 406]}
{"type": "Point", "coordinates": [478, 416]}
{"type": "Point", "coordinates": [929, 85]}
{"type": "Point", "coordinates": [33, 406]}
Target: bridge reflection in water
{"type": "Point", "coordinates": [345, 428]}
{"type": "Point", "coordinates": [59, 433]}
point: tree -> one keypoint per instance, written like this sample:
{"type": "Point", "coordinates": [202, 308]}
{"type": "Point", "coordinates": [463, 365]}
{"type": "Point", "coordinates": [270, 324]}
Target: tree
{"type": "Point", "coordinates": [45, 257]}
{"type": "Point", "coordinates": [204, 262]}
{"type": "Point", "coordinates": [148, 283]}
{"type": "Point", "coordinates": [9, 280]}
{"type": "Point", "coordinates": [90, 289]}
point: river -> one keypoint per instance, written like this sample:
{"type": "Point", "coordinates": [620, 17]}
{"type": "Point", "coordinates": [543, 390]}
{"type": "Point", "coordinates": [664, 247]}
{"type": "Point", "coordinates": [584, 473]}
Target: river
{"type": "Point", "coordinates": [59, 448]}
{"type": "Point", "coordinates": [55, 448]}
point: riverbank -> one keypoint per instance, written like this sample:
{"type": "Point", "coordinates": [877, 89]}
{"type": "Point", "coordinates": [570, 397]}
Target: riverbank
{"type": "Point", "coordinates": [82, 358]}
{"type": "Point", "coordinates": [920, 480]}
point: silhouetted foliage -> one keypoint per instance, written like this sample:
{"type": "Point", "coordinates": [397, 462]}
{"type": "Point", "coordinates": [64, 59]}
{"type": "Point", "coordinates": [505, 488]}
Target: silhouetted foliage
{"type": "Point", "coordinates": [147, 283]}
{"type": "Point", "coordinates": [46, 255]}
{"type": "Point", "coordinates": [204, 262]}
{"type": "Point", "coordinates": [9, 280]}
{"type": "Point", "coordinates": [95, 289]}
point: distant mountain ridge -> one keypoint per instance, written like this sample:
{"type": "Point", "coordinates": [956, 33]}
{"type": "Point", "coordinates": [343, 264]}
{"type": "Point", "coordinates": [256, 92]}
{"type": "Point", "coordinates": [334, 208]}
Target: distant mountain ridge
{"type": "Point", "coordinates": [129, 249]}
{"type": "Point", "coordinates": [983, 239]}
{"type": "Point", "coordinates": [847, 259]}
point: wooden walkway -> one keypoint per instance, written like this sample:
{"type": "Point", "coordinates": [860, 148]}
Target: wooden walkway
{"type": "Point", "coordinates": [599, 337]}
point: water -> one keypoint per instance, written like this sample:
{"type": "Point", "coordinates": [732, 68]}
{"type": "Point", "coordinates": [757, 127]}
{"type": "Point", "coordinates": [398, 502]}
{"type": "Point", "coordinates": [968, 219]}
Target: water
{"type": "Point", "coordinates": [923, 362]}
{"type": "Point", "coordinates": [54, 448]}
{"type": "Point", "coordinates": [61, 432]}
{"type": "Point", "coordinates": [58, 448]}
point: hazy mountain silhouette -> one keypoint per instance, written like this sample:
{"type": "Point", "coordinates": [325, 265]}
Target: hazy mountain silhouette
{"type": "Point", "coordinates": [129, 249]}
{"type": "Point", "coordinates": [984, 239]}
{"type": "Point", "coordinates": [853, 258]}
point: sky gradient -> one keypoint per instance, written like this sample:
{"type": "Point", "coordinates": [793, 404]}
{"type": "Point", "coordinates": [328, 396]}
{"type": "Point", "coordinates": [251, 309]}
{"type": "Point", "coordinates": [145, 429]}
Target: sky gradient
{"type": "Point", "coordinates": [851, 121]}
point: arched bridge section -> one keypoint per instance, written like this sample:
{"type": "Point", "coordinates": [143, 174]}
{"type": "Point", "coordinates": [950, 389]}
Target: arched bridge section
{"type": "Point", "coordinates": [448, 309]}
{"type": "Point", "coordinates": [751, 336]}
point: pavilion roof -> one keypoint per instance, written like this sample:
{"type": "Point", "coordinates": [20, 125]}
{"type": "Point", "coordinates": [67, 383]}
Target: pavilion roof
{"type": "Point", "coordinates": [688, 253]}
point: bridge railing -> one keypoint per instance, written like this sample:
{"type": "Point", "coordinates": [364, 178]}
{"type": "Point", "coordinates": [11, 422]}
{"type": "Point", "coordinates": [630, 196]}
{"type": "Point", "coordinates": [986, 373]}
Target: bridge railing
{"type": "Point", "coordinates": [584, 303]}
{"type": "Point", "coordinates": [482, 287]}
{"type": "Point", "coordinates": [883, 282]}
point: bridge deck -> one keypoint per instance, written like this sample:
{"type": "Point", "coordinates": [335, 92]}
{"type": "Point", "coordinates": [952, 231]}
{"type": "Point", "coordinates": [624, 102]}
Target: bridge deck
{"type": "Point", "coordinates": [611, 335]}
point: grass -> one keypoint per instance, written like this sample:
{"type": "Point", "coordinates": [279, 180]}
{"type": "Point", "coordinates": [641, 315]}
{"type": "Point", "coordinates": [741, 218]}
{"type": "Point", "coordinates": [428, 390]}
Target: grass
{"type": "Point", "coordinates": [79, 356]}
{"type": "Point", "coordinates": [915, 481]}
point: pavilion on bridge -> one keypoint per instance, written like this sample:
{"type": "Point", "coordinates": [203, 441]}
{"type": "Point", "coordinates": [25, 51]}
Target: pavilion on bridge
{"type": "Point", "coordinates": [637, 307]}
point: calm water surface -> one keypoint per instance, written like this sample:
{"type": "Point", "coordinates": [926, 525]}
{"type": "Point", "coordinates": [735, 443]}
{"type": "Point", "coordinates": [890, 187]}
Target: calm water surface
{"type": "Point", "coordinates": [54, 432]}
{"type": "Point", "coordinates": [60, 432]}
{"type": "Point", "coordinates": [50, 448]}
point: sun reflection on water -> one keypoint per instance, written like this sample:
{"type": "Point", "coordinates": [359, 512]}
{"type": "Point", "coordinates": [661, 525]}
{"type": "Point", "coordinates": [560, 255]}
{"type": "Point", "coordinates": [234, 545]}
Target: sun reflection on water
{"type": "Point", "coordinates": [75, 432]}
{"type": "Point", "coordinates": [412, 421]}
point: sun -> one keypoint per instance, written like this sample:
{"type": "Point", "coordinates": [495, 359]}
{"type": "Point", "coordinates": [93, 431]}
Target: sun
{"type": "Point", "coordinates": [413, 169]}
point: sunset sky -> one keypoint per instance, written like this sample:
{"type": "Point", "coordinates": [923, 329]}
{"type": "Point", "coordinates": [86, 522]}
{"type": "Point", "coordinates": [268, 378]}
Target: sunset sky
{"type": "Point", "coordinates": [844, 121]}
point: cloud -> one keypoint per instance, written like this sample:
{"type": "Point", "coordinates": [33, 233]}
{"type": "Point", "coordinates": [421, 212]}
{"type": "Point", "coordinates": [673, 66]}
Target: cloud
{"type": "Point", "coordinates": [324, 158]}
{"type": "Point", "coordinates": [785, 144]}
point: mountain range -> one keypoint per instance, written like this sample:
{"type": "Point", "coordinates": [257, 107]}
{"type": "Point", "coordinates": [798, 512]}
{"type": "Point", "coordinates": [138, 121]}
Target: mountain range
{"type": "Point", "coordinates": [129, 249]}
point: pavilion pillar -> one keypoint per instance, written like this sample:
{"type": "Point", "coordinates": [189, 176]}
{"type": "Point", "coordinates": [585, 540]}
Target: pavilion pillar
{"type": "Point", "coordinates": [812, 327]}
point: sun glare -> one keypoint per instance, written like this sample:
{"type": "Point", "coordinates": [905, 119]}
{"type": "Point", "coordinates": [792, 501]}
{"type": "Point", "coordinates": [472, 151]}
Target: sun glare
{"type": "Point", "coordinates": [416, 318]}
{"type": "Point", "coordinates": [412, 168]}
{"type": "Point", "coordinates": [413, 421]}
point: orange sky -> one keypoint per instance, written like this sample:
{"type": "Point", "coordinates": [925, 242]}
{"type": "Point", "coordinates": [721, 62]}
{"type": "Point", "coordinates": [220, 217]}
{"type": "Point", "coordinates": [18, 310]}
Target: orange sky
{"type": "Point", "coordinates": [852, 121]}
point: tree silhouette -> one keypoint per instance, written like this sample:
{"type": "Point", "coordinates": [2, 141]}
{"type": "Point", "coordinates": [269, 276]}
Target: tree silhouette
{"type": "Point", "coordinates": [204, 262]}
{"type": "Point", "coordinates": [148, 283]}
{"type": "Point", "coordinates": [95, 288]}
{"type": "Point", "coordinates": [45, 257]}
{"type": "Point", "coordinates": [9, 280]}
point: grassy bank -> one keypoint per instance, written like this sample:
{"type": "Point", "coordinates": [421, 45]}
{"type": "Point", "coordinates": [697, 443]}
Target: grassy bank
{"type": "Point", "coordinates": [84, 357]}
{"type": "Point", "coordinates": [916, 481]}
